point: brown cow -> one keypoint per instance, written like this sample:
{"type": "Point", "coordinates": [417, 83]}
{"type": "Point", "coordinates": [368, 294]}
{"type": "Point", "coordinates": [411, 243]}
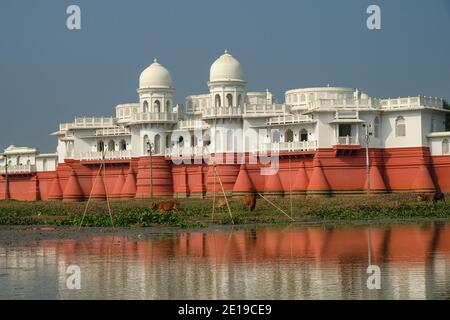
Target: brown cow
{"type": "Point", "coordinates": [423, 197]}
{"type": "Point", "coordinates": [221, 203]}
{"type": "Point", "coordinates": [250, 201]}
{"type": "Point", "coordinates": [165, 206]}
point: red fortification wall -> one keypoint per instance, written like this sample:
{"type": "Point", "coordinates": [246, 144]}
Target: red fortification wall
{"type": "Point", "coordinates": [325, 171]}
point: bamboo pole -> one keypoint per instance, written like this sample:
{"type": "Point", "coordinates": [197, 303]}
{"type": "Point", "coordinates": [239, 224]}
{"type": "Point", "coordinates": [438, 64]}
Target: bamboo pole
{"type": "Point", "coordinates": [106, 192]}
{"type": "Point", "coordinates": [90, 196]}
{"type": "Point", "coordinates": [214, 192]}
{"type": "Point", "coordinates": [273, 204]}
{"type": "Point", "coordinates": [99, 172]}
{"type": "Point", "coordinates": [290, 184]}
{"type": "Point", "coordinates": [214, 170]}
{"type": "Point", "coordinates": [226, 199]}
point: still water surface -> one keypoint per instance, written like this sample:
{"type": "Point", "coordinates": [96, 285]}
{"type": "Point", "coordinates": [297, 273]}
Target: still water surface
{"type": "Point", "coordinates": [249, 263]}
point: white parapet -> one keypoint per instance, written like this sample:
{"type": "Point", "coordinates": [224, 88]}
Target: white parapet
{"type": "Point", "coordinates": [288, 146]}
{"type": "Point", "coordinates": [220, 112]}
{"type": "Point", "coordinates": [116, 131]}
{"type": "Point", "coordinates": [268, 109]}
{"type": "Point", "coordinates": [191, 124]}
{"type": "Point", "coordinates": [290, 119]}
{"type": "Point", "coordinates": [154, 117]}
{"type": "Point", "coordinates": [108, 155]}
{"type": "Point", "coordinates": [347, 140]}
{"type": "Point", "coordinates": [16, 169]}
{"type": "Point", "coordinates": [412, 102]}
{"type": "Point", "coordinates": [88, 122]}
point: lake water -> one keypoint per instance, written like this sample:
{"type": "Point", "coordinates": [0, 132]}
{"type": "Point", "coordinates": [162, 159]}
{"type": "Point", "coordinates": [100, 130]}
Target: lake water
{"type": "Point", "coordinates": [290, 262]}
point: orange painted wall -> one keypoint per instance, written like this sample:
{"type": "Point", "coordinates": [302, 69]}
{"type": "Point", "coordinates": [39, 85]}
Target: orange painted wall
{"type": "Point", "coordinates": [398, 169]}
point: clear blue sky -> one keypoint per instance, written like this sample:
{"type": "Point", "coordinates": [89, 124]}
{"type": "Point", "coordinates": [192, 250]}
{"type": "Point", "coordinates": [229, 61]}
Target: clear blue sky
{"type": "Point", "coordinates": [49, 74]}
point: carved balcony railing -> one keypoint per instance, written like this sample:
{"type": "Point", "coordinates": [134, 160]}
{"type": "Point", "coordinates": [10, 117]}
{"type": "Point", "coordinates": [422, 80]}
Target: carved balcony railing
{"type": "Point", "coordinates": [289, 146]}
{"type": "Point", "coordinates": [117, 131]}
{"type": "Point", "coordinates": [222, 112]}
{"type": "Point", "coordinates": [108, 155]}
{"type": "Point", "coordinates": [17, 169]}
{"type": "Point", "coordinates": [171, 117]}
{"type": "Point", "coordinates": [347, 140]}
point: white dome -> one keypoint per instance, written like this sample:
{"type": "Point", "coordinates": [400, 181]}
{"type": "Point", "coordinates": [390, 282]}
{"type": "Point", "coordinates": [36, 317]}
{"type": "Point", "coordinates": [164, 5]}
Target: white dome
{"type": "Point", "coordinates": [155, 76]}
{"type": "Point", "coordinates": [226, 68]}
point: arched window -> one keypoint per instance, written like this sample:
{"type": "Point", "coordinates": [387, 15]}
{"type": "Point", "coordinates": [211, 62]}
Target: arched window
{"type": "Point", "coordinates": [157, 106]}
{"type": "Point", "coordinates": [145, 107]}
{"type": "Point", "coordinates": [100, 146]}
{"type": "Point", "coordinates": [157, 144]}
{"type": "Point", "coordinates": [194, 140]}
{"type": "Point", "coordinates": [111, 145]}
{"type": "Point", "coordinates": [206, 139]}
{"type": "Point", "coordinates": [445, 147]}
{"type": "Point", "coordinates": [168, 141]}
{"type": "Point", "coordinates": [218, 144]}
{"type": "Point", "coordinates": [230, 140]}
{"type": "Point", "coordinates": [275, 136]}
{"type": "Point", "coordinates": [217, 100]}
{"type": "Point", "coordinates": [433, 124]}
{"type": "Point", "coordinates": [168, 106]}
{"type": "Point", "coordinates": [28, 162]}
{"type": "Point", "coordinates": [18, 162]}
{"type": "Point", "coordinates": [303, 135]}
{"type": "Point", "coordinates": [376, 127]}
{"type": "Point", "coordinates": [145, 145]}
{"type": "Point", "coordinates": [247, 144]}
{"type": "Point", "coordinates": [239, 100]}
{"type": "Point", "coordinates": [229, 100]}
{"type": "Point", "coordinates": [181, 141]}
{"type": "Point", "coordinates": [288, 136]}
{"type": "Point", "coordinates": [122, 145]}
{"type": "Point", "coordinates": [44, 165]}
{"type": "Point", "coordinates": [400, 127]}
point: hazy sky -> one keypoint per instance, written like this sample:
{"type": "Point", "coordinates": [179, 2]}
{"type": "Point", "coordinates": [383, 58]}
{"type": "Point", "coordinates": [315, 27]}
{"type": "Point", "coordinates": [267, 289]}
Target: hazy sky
{"type": "Point", "coordinates": [49, 74]}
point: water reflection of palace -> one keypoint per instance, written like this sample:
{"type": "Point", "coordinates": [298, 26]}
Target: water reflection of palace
{"type": "Point", "coordinates": [291, 263]}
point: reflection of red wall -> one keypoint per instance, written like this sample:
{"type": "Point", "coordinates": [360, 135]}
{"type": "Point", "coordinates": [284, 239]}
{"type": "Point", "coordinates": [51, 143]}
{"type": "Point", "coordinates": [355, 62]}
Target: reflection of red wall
{"type": "Point", "coordinates": [399, 169]}
{"type": "Point", "coordinates": [399, 244]}
{"type": "Point", "coordinates": [417, 245]}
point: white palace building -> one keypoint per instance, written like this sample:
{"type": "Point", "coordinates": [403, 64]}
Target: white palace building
{"type": "Point", "coordinates": [228, 119]}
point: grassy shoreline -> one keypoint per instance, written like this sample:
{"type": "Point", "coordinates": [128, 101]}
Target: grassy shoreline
{"type": "Point", "coordinates": [197, 213]}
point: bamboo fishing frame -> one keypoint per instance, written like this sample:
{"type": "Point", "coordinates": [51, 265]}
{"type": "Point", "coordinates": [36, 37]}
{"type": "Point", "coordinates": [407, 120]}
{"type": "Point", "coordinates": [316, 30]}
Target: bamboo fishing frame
{"type": "Point", "coordinates": [290, 195]}
{"type": "Point", "coordinates": [225, 196]}
{"type": "Point", "coordinates": [102, 167]}
{"type": "Point", "coordinates": [220, 180]}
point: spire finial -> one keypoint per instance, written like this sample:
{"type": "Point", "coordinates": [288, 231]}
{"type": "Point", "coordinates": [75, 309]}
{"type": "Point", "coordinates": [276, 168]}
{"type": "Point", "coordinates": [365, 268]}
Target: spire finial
{"type": "Point", "coordinates": [226, 51]}
{"type": "Point", "coordinates": [155, 60]}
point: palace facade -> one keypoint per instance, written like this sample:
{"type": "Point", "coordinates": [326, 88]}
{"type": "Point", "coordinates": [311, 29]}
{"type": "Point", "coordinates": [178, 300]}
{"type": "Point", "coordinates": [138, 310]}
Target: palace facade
{"type": "Point", "coordinates": [316, 137]}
